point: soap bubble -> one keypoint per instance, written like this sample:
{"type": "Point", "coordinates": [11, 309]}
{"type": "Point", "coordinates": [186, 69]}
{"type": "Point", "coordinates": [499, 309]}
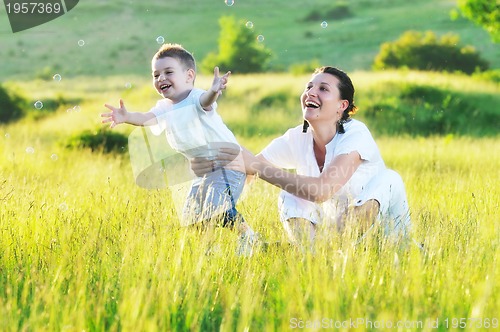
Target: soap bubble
{"type": "Point", "coordinates": [81, 42]}
{"type": "Point", "coordinates": [249, 25]}
{"type": "Point", "coordinates": [54, 157]}
{"type": "Point", "coordinates": [260, 38]}
{"type": "Point", "coordinates": [38, 105]}
{"type": "Point", "coordinates": [160, 40]}
{"type": "Point", "coordinates": [229, 2]}
{"type": "Point", "coordinates": [76, 108]}
{"type": "Point", "coordinates": [324, 24]}
{"type": "Point", "coordinates": [128, 85]}
{"type": "Point", "coordinates": [7, 135]}
{"type": "Point", "coordinates": [63, 206]}
{"type": "Point", "coordinates": [30, 150]}
{"type": "Point", "coordinates": [56, 77]}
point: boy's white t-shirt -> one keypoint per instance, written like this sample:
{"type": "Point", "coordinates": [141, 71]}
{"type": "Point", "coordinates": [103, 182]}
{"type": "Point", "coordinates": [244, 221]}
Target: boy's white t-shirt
{"type": "Point", "coordinates": [190, 129]}
{"type": "Point", "coordinates": [294, 150]}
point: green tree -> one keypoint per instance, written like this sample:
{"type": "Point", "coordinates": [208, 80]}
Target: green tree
{"type": "Point", "coordinates": [486, 13]}
{"type": "Point", "coordinates": [239, 49]}
{"type": "Point", "coordinates": [12, 105]}
{"type": "Point", "coordinates": [424, 51]}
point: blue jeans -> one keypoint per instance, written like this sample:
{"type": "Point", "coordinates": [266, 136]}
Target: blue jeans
{"type": "Point", "coordinates": [216, 197]}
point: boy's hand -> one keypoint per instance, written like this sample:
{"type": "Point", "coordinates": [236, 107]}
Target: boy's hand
{"type": "Point", "coordinates": [117, 115]}
{"type": "Point", "coordinates": [219, 82]}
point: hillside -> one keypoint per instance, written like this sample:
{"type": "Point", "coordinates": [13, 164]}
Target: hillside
{"type": "Point", "coordinates": [119, 37]}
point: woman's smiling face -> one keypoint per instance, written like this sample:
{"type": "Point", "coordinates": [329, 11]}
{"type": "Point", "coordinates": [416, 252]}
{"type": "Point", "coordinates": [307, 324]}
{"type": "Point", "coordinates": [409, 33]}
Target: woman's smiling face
{"type": "Point", "coordinates": [321, 99]}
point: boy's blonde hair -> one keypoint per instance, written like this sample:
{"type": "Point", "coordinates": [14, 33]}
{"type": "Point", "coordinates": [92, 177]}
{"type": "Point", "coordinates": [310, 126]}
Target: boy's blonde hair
{"type": "Point", "coordinates": [178, 52]}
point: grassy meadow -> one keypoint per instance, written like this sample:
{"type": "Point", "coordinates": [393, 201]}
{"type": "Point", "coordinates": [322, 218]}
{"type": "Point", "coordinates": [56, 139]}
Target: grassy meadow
{"type": "Point", "coordinates": [84, 248]}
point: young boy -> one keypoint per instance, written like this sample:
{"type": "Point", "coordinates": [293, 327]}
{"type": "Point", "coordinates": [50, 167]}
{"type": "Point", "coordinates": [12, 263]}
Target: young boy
{"type": "Point", "coordinates": [194, 128]}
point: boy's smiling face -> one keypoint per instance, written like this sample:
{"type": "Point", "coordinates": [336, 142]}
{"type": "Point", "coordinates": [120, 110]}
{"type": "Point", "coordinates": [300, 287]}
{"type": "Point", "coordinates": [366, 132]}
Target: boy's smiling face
{"type": "Point", "coordinates": [171, 79]}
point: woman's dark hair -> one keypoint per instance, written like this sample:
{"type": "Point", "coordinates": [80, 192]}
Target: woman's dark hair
{"type": "Point", "coordinates": [346, 89]}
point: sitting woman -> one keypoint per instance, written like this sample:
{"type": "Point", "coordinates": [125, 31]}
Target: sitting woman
{"type": "Point", "coordinates": [339, 172]}
{"type": "Point", "coordinates": [339, 175]}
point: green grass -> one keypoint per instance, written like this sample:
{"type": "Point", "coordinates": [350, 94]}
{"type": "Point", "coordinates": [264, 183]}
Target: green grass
{"type": "Point", "coordinates": [83, 248]}
{"type": "Point", "coordinates": [390, 102]}
{"type": "Point", "coordinates": [120, 37]}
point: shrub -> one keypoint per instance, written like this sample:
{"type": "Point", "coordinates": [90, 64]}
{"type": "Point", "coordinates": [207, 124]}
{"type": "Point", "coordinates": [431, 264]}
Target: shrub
{"type": "Point", "coordinates": [102, 140]}
{"type": "Point", "coordinates": [492, 75]}
{"type": "Point", "coordinates": [46, 73]}
{"type": "Point", "coordinates": [51, 105]}
{"type": "Point", "coordinates": [424, 51]}
{"type": "Point", "coordinates": [304, 67]}
{"type": "Point", "coordinates": [339, 11]}
{"type": "Point", "coordinates": [12, 105]}
{"type": "Point", "coordinates": [425, 110]}
{"type": "Point", "coordinates": [239, 50]}
{"type": "Point", "coordinates": [486, 13]}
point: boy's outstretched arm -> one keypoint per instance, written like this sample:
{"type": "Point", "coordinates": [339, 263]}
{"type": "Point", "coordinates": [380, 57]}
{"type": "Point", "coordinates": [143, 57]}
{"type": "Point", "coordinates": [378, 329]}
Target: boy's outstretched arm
{"type": "Point", "coordinates": [121, 115]}
{"type": "Point", "coordinates": [218, 84]}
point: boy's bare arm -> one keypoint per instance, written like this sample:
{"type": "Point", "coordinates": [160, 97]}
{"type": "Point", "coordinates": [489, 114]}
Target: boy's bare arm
{"type": "Point", "coordinates": [121, 115]}
{"type": "Point", "coordinates": [218, 84]}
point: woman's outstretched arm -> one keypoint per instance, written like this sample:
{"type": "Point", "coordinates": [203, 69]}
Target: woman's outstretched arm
{"type": "Point", "coordinates": [316, 189]}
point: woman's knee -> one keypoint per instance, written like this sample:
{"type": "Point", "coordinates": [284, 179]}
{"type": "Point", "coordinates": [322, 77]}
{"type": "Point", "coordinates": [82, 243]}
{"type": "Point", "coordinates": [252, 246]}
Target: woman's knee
{"type": "Point", "coordinates": [299, 229]}
{"type": "Point", "coordinates": [365, 215]}
{"type": "Point", "coordinates": [369, 209]}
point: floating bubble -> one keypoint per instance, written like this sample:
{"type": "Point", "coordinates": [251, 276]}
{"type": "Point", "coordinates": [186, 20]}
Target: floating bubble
{"type": "Point", "coordinates": [30, 150]}
{"type": "Point", "coordinates": [260, 38]}
{"type": "Point", "coordinates": [54, 157]}
{"type": "Point", "coordinates": [324, 24]}
{"type": "Point", "coordinates": [69, 110]}
{"type": "Point", "coordinates": [76, 108]}
{"type": "Point", "coordinates": [249, 25]}
{"type": "Point", "coordinates": [38, 105]}
{"type": "Point", "coordinates": [160, 40]}
{"type": "Point", "coordinates": [7, 135]}
{"type": "Point", "coordinates": [128, 85]}
{"type": "Point", "coordinates": [63, 206]}
{"type": "Point", "coordinates": [81, 42]}
{"type": "Point", "coordinates": [57, 77]}
{"type": "Point", "coordinates": [229, 2]}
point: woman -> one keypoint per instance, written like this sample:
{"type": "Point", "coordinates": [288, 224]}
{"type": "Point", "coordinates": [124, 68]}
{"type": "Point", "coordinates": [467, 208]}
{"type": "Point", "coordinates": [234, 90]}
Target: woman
{"type": "Point", "coordinates": [340, 176]}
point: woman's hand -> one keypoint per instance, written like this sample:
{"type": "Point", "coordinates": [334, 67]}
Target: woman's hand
{"type": "Point", "coordinates": [204, 165]}
{"type": "Point", "coordinates": [252, 162]}
{"type": "Point", "coordinates": [314, 189]}
{"type": "Point", "coordinates": [201, 166]}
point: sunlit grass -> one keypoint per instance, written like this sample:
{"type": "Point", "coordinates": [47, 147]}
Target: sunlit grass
{"type": "Point", "coordinates": [84, 248]}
